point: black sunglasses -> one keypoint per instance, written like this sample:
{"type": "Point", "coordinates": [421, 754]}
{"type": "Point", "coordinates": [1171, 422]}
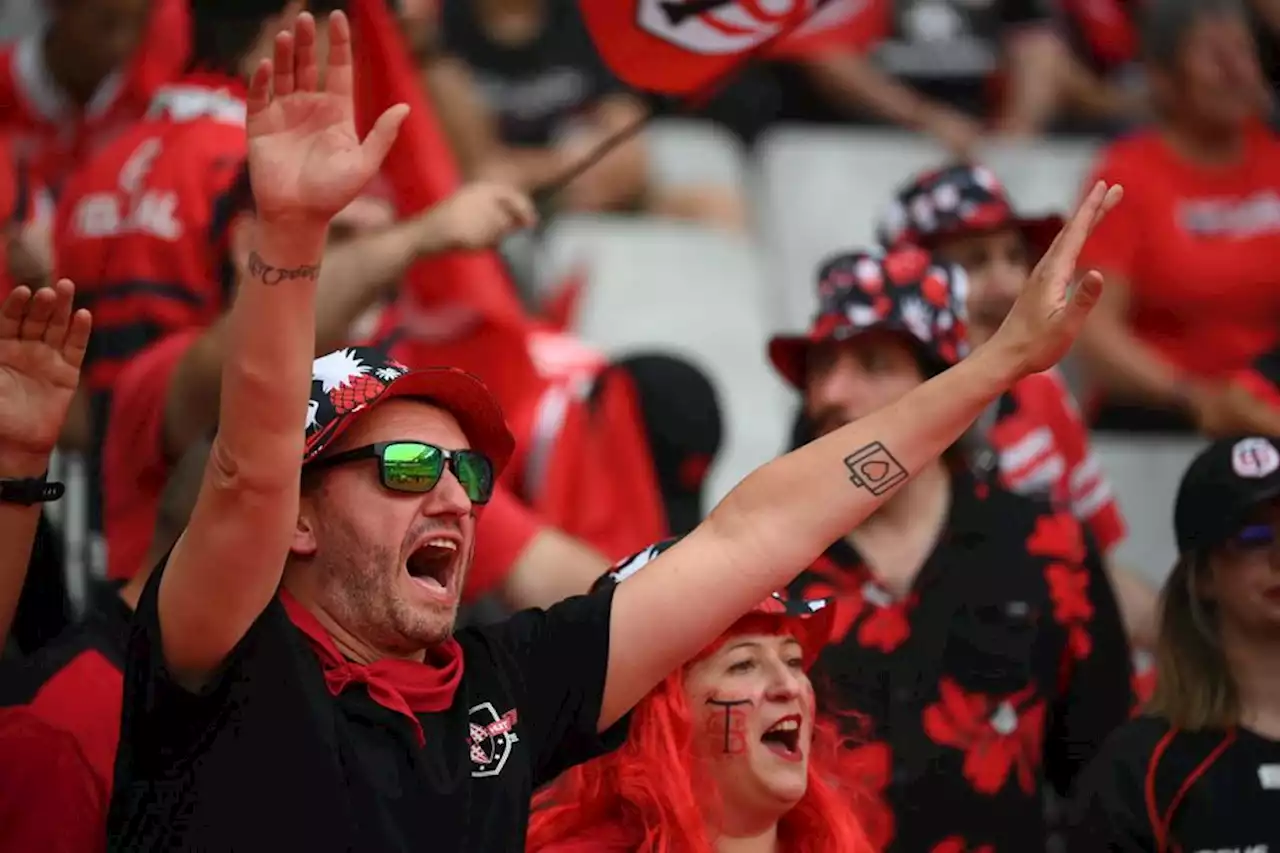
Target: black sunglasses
{"type": "Point", "coordinates": [415, 466]}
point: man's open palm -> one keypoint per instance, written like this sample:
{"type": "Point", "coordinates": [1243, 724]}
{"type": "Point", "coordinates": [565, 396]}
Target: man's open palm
{"type": "Point", "coordinates": [42, 345]}
{"type": "Point", "coordinates": [305, 158]}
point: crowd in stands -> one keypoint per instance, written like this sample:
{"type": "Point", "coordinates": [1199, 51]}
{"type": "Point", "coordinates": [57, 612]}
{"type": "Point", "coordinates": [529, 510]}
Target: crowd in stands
{"type": "Point", "coordinates": [974, 667]}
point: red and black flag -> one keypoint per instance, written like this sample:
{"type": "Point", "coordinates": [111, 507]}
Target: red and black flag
{"type": "Point", "coordinates": [681, 46]}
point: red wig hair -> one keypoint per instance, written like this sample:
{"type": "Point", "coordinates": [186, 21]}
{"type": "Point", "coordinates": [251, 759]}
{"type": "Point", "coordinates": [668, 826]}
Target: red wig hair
{"type": "Point", "coordinates": [648, 794]}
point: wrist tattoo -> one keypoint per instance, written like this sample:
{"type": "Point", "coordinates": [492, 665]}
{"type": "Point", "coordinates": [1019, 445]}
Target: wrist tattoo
{"type": "Point", "coordinates": [271, 276]}
{"type": "Point", "coordinates": [873, 468]}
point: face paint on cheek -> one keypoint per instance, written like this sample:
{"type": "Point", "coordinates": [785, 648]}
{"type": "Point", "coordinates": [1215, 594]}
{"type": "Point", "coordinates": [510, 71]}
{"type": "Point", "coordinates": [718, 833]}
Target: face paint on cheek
{"type": "Point", "coordinates": [727, 722]}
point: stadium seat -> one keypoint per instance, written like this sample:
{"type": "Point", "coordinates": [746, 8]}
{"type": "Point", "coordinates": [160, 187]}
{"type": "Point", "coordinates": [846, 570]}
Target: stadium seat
{"type": "Point", "coordinates": [656, 285]}
{"type": "Point", "coordinates": [1042, 175]}
{"type": "Point", "coordinates": [694, 153]}
{"type": "Point", "coordinates": [1144, 472]}
{"type": "Point", "coordinates": [821, 191]}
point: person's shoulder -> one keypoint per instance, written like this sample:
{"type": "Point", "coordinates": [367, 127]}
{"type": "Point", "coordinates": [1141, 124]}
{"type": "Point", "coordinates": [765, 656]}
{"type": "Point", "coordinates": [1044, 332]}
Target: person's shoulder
{"type": "Point", "coordinates": [31, 744]}
{"type": "Point", "coordinates": [1131, 156]}
{"type": "Point", "coordinates": [1132, 744]}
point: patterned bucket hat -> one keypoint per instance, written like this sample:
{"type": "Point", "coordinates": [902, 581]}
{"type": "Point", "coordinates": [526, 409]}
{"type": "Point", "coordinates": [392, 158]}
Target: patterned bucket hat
{"type": "Point", "coordinates": [814, 618]}
{"type": "Point", "coordinates": [955, 201]}
{"type": "Point", "coordinates": [351, 381]}
{"type": "Point", "coordinates": [904, 290]}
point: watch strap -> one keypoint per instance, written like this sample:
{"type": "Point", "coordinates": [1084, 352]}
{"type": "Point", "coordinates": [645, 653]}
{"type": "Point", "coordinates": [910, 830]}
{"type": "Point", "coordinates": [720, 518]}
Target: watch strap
{"type": "Point", "coordinates": [30, 491]}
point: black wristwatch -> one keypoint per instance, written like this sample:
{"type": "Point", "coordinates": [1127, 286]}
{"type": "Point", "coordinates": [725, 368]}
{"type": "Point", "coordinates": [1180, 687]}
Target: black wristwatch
{"type": "Point", "coordinates": [31, 491]}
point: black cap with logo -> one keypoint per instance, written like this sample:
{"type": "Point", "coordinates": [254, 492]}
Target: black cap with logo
{"type": "Point", "coordinates": [1221, 488]}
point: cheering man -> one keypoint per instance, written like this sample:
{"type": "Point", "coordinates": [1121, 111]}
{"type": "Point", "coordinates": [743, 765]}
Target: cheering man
{"type": "Point", "coordinates": [294, 681]}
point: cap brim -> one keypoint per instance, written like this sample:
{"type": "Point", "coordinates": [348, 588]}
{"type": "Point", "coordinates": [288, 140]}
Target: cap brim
{"type": "Point", "coordinates": [813, 629]}
{"type": "Point", "coordinates": [460, 394]}
{"type": "Point", "coordinates": [789, 353]}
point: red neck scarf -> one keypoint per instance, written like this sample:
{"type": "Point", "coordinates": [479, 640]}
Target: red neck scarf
{"type": "Point", "coordinates": [406, 687]}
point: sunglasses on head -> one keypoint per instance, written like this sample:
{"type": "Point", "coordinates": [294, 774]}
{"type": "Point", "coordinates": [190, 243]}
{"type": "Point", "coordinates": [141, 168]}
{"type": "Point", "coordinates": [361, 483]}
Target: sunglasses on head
{"type": "Point", "coordinates": [415, 466]}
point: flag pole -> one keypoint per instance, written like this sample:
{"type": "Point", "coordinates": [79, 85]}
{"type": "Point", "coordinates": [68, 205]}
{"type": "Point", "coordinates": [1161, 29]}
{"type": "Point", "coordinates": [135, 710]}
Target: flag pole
{"type": "Point", "coordinates": [545, 194]}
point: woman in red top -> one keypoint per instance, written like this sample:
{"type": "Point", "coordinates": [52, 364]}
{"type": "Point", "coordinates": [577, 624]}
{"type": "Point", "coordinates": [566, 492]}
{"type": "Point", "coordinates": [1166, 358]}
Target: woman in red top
{"type": "Point", "coordinates": [1193, 291]}
{"type": "Point", "coordinates": [728, 747]}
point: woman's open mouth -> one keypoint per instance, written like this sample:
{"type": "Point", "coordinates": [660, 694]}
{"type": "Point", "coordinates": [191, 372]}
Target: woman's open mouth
{"type": "Point", "coordinates": [783, 738]}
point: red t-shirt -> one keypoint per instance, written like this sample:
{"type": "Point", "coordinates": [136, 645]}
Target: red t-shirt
{"type": "Point", "coordinates": [49, 799]}
{"type": "Point", "coordinates": [140, 228]}
{"type": "Point", "coordinates": [135, 468]}
{"type": "Point", "coordinates": [1043, 447]}
{"type": "Point", "coordinates": [9, 213]}
{"type": "Point", "coordinates": [1198, 249]}
{"type": "Point", "coordinates": [505, 528]}
{"type": "Point", "coordinates": [1262, 378]}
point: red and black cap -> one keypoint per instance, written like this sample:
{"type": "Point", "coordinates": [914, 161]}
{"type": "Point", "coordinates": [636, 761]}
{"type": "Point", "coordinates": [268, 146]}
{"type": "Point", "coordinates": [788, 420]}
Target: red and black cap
{"type": "Point", "coordinates": [956, 201]}
{"type": "Point", "coordinates": [1221, 488]}
{"type": "Point", "coordinates": [904, 290]}
{"type": "Point", "coordinates": [814, 619]}
{"type": "Point", "coordinates": [351, 381]}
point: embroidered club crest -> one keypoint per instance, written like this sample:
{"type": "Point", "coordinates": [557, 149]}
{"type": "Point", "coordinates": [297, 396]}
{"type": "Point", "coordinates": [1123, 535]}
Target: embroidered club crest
{"type": "Point", "coordinates": [491, 739]}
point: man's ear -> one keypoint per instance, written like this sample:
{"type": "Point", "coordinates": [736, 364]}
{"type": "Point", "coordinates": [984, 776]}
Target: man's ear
{"type": "Point", "coordinates": [304, 532]}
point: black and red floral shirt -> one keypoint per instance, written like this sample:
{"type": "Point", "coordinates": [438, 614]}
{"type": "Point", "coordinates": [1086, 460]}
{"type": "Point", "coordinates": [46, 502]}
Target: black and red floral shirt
{"type": "Point", "coordinates": [1003, 669]}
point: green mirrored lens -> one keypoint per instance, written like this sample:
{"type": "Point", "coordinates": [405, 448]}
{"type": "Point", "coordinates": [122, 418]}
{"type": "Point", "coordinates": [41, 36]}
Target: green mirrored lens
{"type": "Point", "coordinates": [475, 474]}
{"type": "Point", "coordinates": [412, 467]}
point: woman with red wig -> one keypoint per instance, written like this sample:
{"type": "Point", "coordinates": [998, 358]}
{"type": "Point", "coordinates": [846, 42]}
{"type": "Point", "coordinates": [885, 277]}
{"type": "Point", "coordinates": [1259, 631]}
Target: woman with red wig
{"type": "Point", "coordinates": [726, 754]}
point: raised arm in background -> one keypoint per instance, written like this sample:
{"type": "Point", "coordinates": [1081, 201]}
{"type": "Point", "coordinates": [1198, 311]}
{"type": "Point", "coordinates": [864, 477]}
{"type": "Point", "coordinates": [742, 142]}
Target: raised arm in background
{"type": "Point", "coordinates": [353, 277]}
{"type": "Point", "coordinates": [782, 516]}
{"type": "Point", "coordinates": [41, 347]}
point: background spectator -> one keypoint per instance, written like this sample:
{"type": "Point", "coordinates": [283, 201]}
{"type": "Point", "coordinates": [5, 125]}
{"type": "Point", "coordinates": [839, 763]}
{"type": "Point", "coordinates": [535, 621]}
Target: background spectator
{"type": "Point", "coordinates": [524, 96]}
{"type": "Point", "coordinates": [1192, 292]}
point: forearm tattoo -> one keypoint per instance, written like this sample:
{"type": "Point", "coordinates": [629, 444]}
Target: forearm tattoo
{"type": "Point", "coordinates": [735, 723]}
{"type": "Point", "coordinates": [271, 276]}
{"type": "Point", "coordinates": [873, 468]}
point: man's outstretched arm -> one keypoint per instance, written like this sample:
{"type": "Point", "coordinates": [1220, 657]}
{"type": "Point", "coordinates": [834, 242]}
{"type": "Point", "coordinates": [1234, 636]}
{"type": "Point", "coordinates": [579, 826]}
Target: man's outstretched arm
{"type": "Point", "coordinates": [782, 516]}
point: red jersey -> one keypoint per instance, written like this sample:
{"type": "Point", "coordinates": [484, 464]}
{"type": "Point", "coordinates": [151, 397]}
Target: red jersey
{"type": "Point", "coordinates": [10, 210]}
{"type": "Point", "coordinates": [48, 798]}
{"type": "Point", "coordinates": [1043, 447]}
{"type": "Point", "coordinates": [135, 468]}
{"type": "Point", "coordinates": [1262, 378]}
{"type": "Point", "coordinates": [1197, 248]}
{"type": "Point", "coordinates": [54, 136]}
{"type": "Point", "coordinates": [67, 701]}
{"type": "Point", "coordinates": [140, 228]}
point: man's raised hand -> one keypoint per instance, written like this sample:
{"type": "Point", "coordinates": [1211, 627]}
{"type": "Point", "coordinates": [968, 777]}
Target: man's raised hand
{"type": "Point", "coordinates": [42, 344]}
{"type": "Point", "coordinates": [1050, 313]}
{"type": "Point", "coordinates": [305, 159]}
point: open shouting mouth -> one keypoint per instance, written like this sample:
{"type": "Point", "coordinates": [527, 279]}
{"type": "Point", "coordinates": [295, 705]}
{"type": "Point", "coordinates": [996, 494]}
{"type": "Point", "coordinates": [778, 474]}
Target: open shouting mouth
{"type": "Point", "coordinates": [783, 737]}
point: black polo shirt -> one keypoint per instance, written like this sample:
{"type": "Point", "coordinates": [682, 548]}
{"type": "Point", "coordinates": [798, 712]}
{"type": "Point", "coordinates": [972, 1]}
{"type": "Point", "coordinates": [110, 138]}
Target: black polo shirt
{"type": "Point", "coordinates": [266, 759]}
{"type": "Point", "coordinates": [1217, 793]}
{"type": "Point", "coordinates": [1004, 668]}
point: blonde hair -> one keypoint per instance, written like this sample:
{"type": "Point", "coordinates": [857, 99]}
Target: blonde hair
{"type": "Point", "coordinates": [1194, 686]}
